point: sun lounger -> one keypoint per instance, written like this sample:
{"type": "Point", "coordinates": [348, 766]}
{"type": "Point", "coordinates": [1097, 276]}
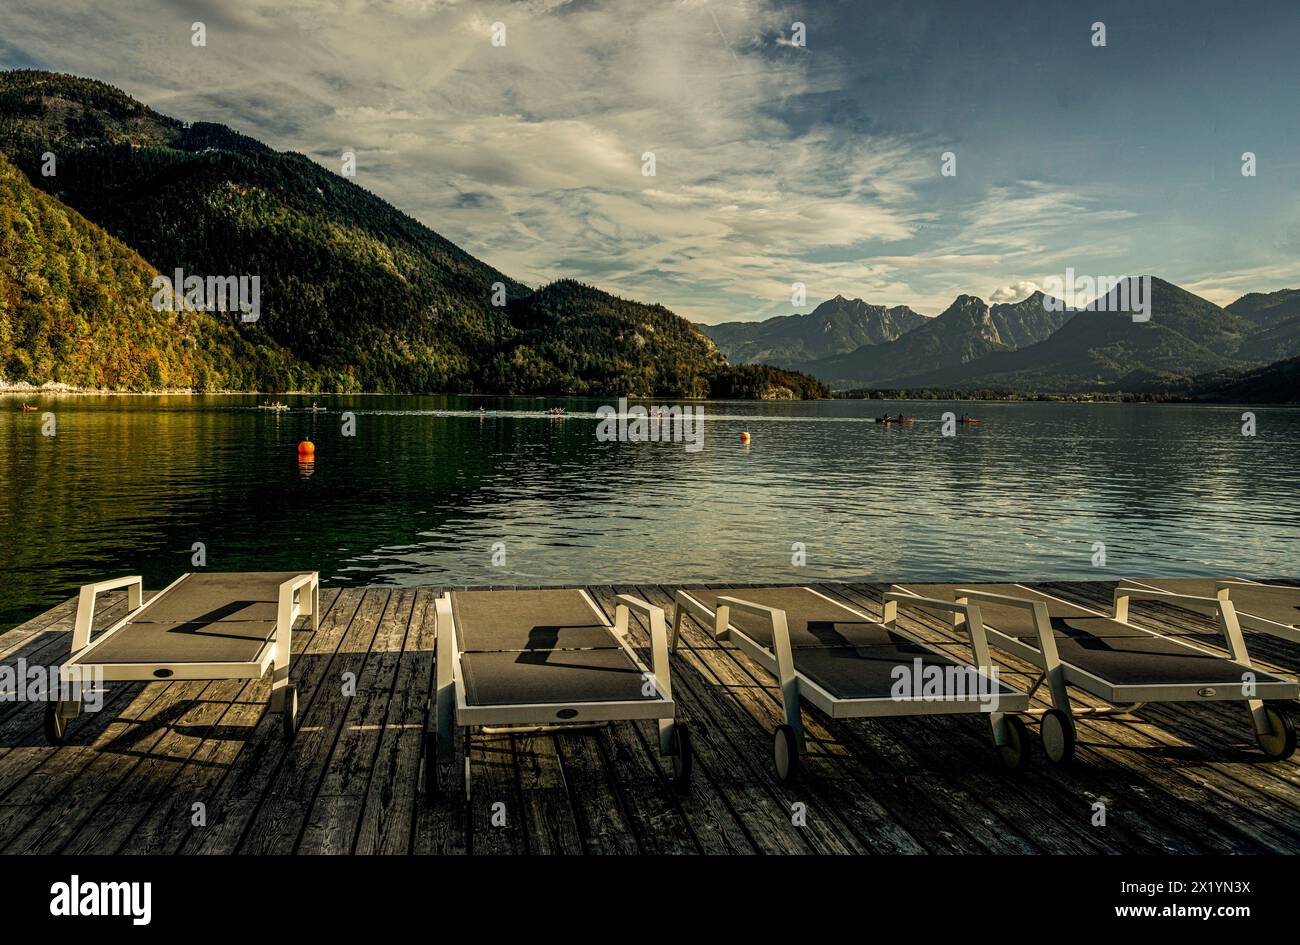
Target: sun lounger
{"type": "Point", "coordinates": [1267, 608]}
{"type": "Point", "coordinates": [547, 660]}
{"type": "Point", "coordinates": [1121, 663]}
{"type": "Point", "coordinates": [201, 626]}
{"type": "Point", "coordinates": [849, 665]}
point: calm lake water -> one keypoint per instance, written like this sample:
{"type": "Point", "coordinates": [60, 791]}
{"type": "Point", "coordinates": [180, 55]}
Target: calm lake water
{"type": "Point", "coordinates": [426, 487]}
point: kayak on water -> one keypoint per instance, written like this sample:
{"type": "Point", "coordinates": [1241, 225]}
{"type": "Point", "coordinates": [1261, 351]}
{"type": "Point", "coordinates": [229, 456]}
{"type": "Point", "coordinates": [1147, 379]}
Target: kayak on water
{"type": "Point", "coordinates": [895, 419]}
{"type": "Point", "coordinates": [26, 407]}
{"type": "Point", "coordinates": [969, 420]}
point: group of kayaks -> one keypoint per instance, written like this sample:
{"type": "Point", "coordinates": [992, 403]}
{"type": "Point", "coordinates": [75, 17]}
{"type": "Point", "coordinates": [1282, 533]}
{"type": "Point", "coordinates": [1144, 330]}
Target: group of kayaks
{"type": "Point", "coordinates": [902, 419]}
{"type": "Point", "coordinates": [279, 407]}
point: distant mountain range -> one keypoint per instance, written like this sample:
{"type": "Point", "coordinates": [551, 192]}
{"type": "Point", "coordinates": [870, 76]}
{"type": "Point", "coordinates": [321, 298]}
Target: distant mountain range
{"type": "Point", "coordinates": [1025, 346]}
{"type": "Point", "coordinates": [834, 327]}
{"type": "Point", "coordinates": [967, 331]}
{"type": "Point", "coordinates": [355, 294]}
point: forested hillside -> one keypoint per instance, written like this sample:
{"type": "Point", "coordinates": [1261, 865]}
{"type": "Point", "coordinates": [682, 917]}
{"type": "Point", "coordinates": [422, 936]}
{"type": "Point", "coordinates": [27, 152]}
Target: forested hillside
{"type": "Point", "coordinates": [575, 339]}
{"type": "Point", "coordinates": [75, 308]}
{"type": "Point", "coordinates": [572, 338]}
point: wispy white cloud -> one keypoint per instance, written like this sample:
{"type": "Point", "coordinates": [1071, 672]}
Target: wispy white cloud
{"type": "Point", "coordinates": [1014, 291]}
{"type": "Point", "coordinates": [530, 154]}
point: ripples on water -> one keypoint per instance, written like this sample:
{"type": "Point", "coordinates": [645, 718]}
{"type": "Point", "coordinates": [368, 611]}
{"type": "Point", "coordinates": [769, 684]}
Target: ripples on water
{"type": "Point", "coordinates": [428, 485]}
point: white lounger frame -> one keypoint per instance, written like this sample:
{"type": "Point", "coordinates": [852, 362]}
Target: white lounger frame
{"type": "Point", "coordinates": [797, 688]}
{"type": "Point", "coordinates": [1247, 620]}
{"type": "Point", "coordinates": [450, 708]}
{"type": "Point", "coordinates": [1059, 675]}
{"type": "Point", "coordinates": [274, 654]}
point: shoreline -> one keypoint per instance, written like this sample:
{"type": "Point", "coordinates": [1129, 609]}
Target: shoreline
{"type": "Point", "coordinates": [67, 390]}
{"type": "Point", "coordinates": [25, 390]}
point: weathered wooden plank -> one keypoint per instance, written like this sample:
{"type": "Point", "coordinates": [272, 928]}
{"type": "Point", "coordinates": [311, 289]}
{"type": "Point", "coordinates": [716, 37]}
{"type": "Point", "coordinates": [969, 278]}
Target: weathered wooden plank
{"type": "Point", "coordinates": [497, 825]}
{"type": "Point", "coordinates": [341, 796]}
{"type": "Point", "coordinates": [598, 811]}
{"type": "Point", "coordinates": [705, 809]}
{"type": "Point", "coordinates": [549, 820]}
{"type": "Point", "coordinates": [279, 816]}
{"type": "Point", "coordinates": [119, 815]}
{"type": "Point", "coordinates": [63, 613]}
{"type": "Point", "coordinates": [116, 755]}
{"type": "Point", "coordinates": [388, 818]}
{"type": "Point", "coordinates": [654, 815]}
{"type": "Point", "coordinates": [28, 751]}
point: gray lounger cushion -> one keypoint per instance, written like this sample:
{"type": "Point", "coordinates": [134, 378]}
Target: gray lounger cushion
{"type": "Point", "coordinates": [209, 597]}
{"type": "Point", "coordinates": [206, 618]}
{"type": "Point", "coordinates": [1137, 661]}
{"type": "Point", "coordinates": [850, 659]}
{"type": "Point", "coordinates": [214, 642]}
{"type": "Point", "coordinates": [868, 672]}
{"type": "Point", "coordinates": [1116, 653]}
{"type": "Point", "coordinates": [540, 647]}
{"type": "Point", "coordinates": [1067, 620]}
{"type": "Point", "coordinates": [548, 619]}
{"type": "Point", "coordinates": [812, 619]}
{"type": "Point", "coordinates": [551, 676]}
{"type": "Point", "coordinates": [1277, 603]}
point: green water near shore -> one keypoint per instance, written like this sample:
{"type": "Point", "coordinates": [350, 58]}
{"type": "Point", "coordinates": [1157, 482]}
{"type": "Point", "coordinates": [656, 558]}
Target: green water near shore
{"type": "Point", "coordinates": [431, 491]}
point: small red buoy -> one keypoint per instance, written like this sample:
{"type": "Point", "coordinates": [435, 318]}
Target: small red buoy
{"type": "Point", "coordinates": [306, 448]}
{"type": "Point", "coordinates": [744, 437]}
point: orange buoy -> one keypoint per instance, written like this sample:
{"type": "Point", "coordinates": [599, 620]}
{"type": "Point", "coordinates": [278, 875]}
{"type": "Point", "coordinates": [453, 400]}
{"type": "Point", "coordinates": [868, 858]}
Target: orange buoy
{"type": "Point", "coordinates": [744, 437]}
{"type": "Point", "coordinates": [306, 448]}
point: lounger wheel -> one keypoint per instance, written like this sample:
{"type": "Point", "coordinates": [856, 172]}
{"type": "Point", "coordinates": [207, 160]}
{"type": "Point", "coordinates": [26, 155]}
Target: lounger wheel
{"type": "Point", "coordinates": [56, 726]}
{"type": "Point", "coordinates": [1279, 743]}
{"type": "Point", "coordinates": [1057, 732]}
{"type": "Point", "coordinates": [683, 754]}
{"type": "Point", "coordinates": [785, 752]}
{"type": "Point", "coordinates": [289, 714]}
{"type": "Point", "coordinates": [1015, 753]}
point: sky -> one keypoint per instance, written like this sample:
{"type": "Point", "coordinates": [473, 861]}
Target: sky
{"type": "Point", "coordinates": [775, 162]}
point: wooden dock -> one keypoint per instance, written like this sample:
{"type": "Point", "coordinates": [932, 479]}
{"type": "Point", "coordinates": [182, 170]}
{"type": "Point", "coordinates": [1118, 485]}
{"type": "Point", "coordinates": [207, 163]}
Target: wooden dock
{"type": "Point", "coordinates": [1173, 779]}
